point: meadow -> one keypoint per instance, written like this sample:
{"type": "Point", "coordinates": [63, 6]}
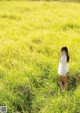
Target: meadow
{"type": "Point", "coordinates": [31, 36]}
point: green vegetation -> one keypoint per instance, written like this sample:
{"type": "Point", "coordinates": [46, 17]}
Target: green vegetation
{"type": "Point", "coordinates": [31, 35]}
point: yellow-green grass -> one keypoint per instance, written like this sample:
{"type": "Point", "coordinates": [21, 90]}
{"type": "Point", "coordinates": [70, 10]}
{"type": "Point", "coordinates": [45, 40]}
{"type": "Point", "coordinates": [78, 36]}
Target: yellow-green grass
{"type": "Point", "coordinates": [31, 36]}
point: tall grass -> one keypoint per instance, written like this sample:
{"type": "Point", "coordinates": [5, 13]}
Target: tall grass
{"type": "Point", "coordinates": [31, 36]}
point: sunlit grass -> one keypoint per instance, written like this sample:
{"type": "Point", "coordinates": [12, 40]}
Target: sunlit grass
{"type": "Point", "coordinates": [31, 36]}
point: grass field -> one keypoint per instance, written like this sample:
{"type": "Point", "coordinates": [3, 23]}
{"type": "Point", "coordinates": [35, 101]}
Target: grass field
{"type": "Point", "coordinates": [31, 36]}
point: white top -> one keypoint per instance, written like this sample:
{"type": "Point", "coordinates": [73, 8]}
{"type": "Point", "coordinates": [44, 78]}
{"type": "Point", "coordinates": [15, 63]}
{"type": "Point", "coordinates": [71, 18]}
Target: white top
{"type": "Point", "coordinates": [63, 67]}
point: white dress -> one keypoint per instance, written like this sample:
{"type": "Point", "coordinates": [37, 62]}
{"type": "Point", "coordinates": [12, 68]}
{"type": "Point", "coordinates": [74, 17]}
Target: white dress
{"type": "Point", "coordinates": [63, 67]}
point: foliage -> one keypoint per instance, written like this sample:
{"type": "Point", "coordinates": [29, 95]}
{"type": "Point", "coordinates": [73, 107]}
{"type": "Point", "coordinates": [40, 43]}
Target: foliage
{"type": "Point", "coordinates": [31, 35]}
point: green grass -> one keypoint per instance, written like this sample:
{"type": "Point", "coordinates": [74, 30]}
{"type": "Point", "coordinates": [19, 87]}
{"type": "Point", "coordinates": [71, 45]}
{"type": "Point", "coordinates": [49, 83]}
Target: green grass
{"type": "Point", "coordinates": [31, 36]}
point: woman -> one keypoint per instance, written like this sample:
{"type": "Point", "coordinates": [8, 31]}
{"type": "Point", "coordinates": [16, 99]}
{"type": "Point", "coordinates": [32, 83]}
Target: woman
{"type": "Point", "coordinates": [63, 69]}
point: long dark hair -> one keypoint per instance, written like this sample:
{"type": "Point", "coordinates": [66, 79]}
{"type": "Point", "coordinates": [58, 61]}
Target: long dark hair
{"type": "Point", "coordinates": [66, 50]}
